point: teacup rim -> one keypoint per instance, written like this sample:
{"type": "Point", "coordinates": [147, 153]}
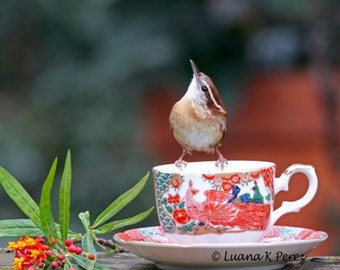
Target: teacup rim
{"type": "Point", "coordinates": [210, 166]}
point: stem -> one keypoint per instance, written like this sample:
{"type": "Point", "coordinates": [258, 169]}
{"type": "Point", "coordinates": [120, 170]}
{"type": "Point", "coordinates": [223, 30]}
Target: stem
{"type": "Point", "coordinates": [108, 243]}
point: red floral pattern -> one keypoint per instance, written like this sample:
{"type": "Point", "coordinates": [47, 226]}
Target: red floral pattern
{"type": "Point", "coordinates": [208, 176]}
{"type": "Point", "coordinates": [227, 186]}
{"type": "Point", "coordinates": [174, 199]}
{"type": "Point", "coordinates": [181, 216]}
{"type": "Point", "coordinates": [235, 179]}
{"type": "Point", "coordinates": [176, 181]}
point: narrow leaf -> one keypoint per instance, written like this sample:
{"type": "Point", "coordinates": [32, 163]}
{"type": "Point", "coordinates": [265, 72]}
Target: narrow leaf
{"type": "Point", "coordinates": [46, 217]}
{"type": "Point", "coordinates": [20, 196]}
{"type": "Point", "coordinates": [117, 224]}
{"type": "Point", "coordinates": [18, 228]}
{"type": "Point", "coordinates": [64, 198]}
{"type": "Point", "coordinates": [121, 202]}
{"type": "Point", "coordinates": [22, 227]}
{"type": "Point", "coordinates": [83, 263]}
{"type": "Point", "coordinates": [85, 219]}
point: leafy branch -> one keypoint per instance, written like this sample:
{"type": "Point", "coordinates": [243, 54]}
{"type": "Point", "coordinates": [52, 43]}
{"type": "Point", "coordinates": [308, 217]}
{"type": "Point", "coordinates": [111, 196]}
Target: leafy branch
{"type": "Point", "coordinates": [40, 219]}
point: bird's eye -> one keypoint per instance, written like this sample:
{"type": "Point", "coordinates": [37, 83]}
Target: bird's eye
{"type": "Point", "coordinates": [204, 88]}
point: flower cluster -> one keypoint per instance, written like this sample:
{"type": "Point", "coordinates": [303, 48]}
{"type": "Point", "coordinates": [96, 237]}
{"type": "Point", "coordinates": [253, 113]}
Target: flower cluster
{"type": "Point", "coordinates": [32, 253]}
{"type": "Point", "coordinates": [29, 253]}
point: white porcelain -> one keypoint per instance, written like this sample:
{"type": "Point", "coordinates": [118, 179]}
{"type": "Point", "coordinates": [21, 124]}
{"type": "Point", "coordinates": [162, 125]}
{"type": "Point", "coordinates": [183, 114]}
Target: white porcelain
{"type": "Point", "coordinates": [280, 245]}
{"type": "Point", "coordinates": [201, 203]}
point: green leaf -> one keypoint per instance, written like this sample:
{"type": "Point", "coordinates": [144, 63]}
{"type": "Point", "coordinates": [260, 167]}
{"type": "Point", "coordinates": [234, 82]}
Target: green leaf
{"type": "Point", "coordinates": [87, 242]}
{"type": "Point", "coordinates": [20, 197]}
{"type": "Point", "coordinates": [22, 227]}
{"type": "Point", "coordinates": [169, 209]}
{"type": "Point", "coordinates": [83, 263]}
{"type": "Point", "coordinates": [120, 202]}
{"type": "Point", "coordinates": [46, 217]}
{"type": "Point", "coordinates": [114, 225]}
{"type": "Point", "coordinates": [164, 201]}
{"type": "Point", "coordinates": [64, 198]}
{"type": "Point", "coordinates": [66, 266]}
{"type": "Point", "coordinates": [18, 228]}
{"type": "Point", "coordinates": [181, 205]}
{"type": "Point", "coordinates": [85, 219]}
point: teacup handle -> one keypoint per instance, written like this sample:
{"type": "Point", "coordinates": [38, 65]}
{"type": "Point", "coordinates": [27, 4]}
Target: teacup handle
{"type": "Point", "coordinates": [282, 183]}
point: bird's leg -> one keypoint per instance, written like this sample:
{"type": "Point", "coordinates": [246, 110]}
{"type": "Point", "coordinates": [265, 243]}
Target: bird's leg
{"type": "Point", "coordinates": [221, 159]}
{"type": "Point", "coordinates": [180, 163]}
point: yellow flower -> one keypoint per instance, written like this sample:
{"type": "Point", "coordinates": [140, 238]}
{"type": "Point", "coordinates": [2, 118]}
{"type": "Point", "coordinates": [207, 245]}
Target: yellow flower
{"type": "Point", "coordinates": [12, 245]}
{"type": "Point", "coordinates": [17, 263]}
{"type": "Point", "coordinates": [36, 253]}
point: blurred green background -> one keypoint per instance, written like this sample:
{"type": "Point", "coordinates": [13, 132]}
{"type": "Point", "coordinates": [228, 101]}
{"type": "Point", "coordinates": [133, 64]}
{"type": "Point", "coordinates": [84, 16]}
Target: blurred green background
{"type": "Point", "coordinates": [74, 75]}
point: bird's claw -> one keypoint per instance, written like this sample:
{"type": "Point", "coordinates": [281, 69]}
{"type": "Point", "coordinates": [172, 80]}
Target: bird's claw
{"type": "Point", "coordinates": [221, 162]}
{"type": "Point", "coordinates": [180, 163]}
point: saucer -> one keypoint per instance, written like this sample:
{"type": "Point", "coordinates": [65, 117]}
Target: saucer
{"type": "Point", "coordinates": [280, 245]}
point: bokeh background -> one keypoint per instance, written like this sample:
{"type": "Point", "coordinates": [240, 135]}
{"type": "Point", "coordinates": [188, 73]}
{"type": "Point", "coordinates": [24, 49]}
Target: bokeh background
{"type": "Point", "coordinates": [100, 77]}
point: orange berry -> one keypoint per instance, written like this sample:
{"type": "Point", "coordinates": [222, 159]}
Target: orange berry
{"type": "Point", "coordinates": [90, 256]}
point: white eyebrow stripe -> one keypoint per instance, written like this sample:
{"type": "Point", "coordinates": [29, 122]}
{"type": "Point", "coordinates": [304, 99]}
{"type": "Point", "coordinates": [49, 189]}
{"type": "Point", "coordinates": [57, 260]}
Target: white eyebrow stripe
{"type": "Point", "coordinates": [213, 98]}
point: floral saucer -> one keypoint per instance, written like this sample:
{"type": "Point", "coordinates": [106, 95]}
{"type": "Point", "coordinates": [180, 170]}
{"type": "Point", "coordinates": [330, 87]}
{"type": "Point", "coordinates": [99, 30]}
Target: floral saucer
{"type": "Point", "coordinates": [280, 245]}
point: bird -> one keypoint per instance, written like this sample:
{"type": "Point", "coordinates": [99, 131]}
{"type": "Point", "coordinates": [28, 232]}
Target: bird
{"type": "Point", "coordinates": [199, 119]}
{"type": "Point", "coordinates": [213, 210]}
{"type": "Point", "coordinates": [246, 197]}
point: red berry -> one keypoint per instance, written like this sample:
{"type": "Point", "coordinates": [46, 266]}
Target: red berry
{"type": "Point", "coordinates": [61, 257]}
{"type": "Point", "coordinates": [54, 264]}
{"type": "Point", "coordinates": [68, 242]}
{"type": "Point", "coordinates": [78, 250]}
{"type": "Point", "coordinates": [49, 253]}
{"type": "Point", "coordinates": [90, 256]}
{"type": "Point", "coordinates": [72, 248]}
{"type": "Point", "coordinates": [53, 240]}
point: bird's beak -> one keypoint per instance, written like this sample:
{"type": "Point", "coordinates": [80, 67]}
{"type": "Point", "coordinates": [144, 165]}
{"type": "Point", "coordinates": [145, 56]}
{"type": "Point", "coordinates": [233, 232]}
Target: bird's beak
{"type": "Point", "coordinates": [195, 70]}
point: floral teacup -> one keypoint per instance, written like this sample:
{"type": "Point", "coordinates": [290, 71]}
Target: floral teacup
{"type": "Point", "coordinates": [203, 204]}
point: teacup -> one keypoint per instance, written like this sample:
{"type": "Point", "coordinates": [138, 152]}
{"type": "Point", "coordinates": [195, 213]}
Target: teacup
{"type": "Point", "coordinates": [201, 203]}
